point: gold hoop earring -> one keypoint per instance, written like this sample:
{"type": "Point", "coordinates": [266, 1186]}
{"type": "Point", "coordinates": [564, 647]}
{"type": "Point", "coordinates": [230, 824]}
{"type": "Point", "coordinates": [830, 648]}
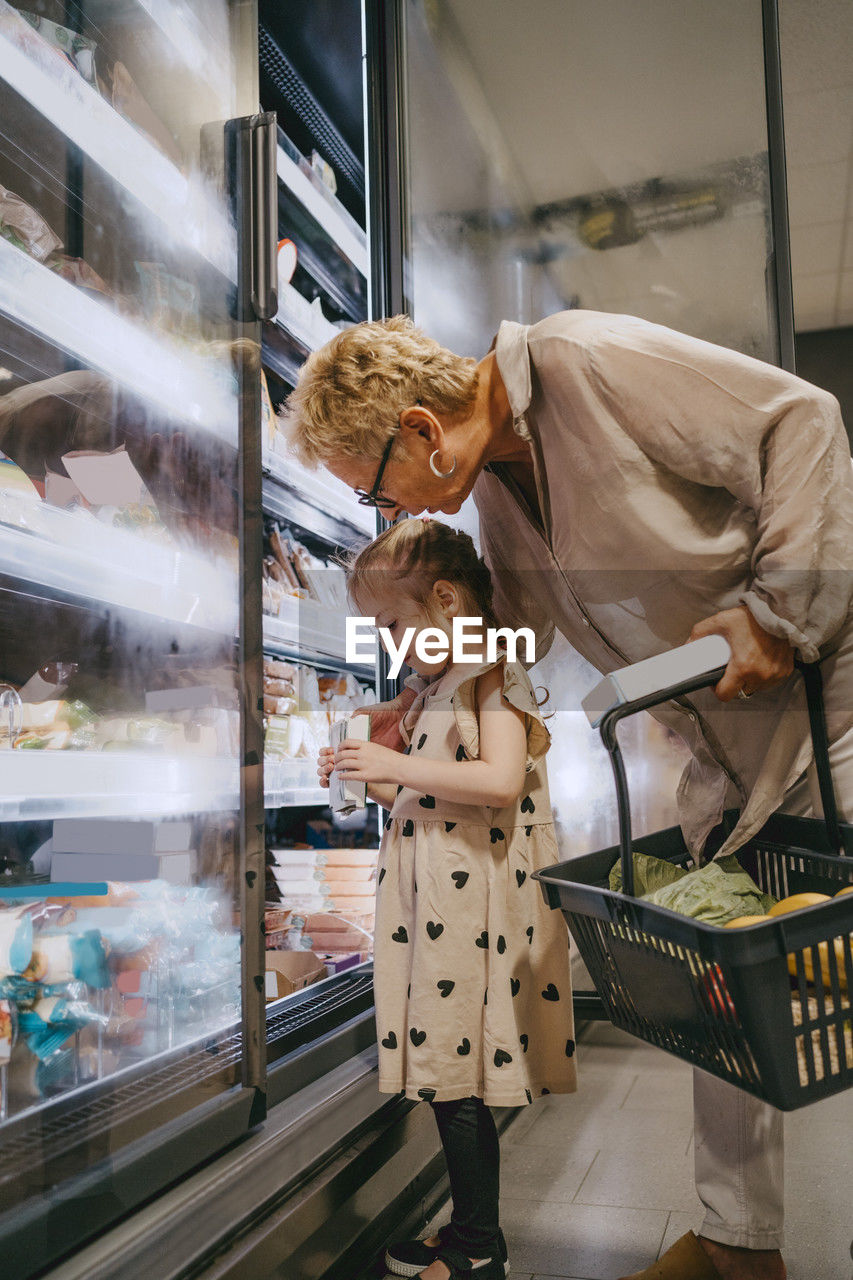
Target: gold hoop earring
{"type": "Point", "coordinates": [442, 475]}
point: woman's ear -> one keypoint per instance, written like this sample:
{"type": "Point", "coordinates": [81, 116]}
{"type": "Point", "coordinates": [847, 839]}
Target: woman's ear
{"type": "Point", "coordinates": [446, 597]}
{"type": "Point", "coordinates": [423, 422]}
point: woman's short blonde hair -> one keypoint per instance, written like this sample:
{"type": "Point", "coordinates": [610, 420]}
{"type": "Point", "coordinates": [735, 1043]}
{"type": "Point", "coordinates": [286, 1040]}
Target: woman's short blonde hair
{"type": "Point", "coordinates": [352, 391]}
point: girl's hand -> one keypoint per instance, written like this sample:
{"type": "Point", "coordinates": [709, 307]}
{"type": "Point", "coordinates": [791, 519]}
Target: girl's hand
{"type": "Point", "coordinates": [325, 765]}
{"type": "Point", "coordinates": [385, 718]}
{"type": "Point", "coordinates": [368, 762]}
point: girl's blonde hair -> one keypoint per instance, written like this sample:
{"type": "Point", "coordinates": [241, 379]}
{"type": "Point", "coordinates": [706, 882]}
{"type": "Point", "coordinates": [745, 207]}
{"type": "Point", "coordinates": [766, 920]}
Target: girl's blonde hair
{"type": "Point", "coordinates": [351, 392]}
{"type": "Point", "coordinates": [412, 556]}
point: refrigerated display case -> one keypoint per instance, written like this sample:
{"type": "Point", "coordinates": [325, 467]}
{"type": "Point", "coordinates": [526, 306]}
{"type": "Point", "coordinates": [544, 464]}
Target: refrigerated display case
{"type": "Point", "coordinates": [136, 257]}
{"type": "Point", "coordinates": [131, 153]}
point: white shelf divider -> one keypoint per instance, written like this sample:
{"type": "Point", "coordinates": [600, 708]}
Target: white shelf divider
{"type": "Point", "coordinates": [184, 385]}
{"type": "Point", "coordinates": [325, 210]}
{"type": "Point", "coordinates": [107, 784]}
{"type": "Point", "coordinates": [55, 89]}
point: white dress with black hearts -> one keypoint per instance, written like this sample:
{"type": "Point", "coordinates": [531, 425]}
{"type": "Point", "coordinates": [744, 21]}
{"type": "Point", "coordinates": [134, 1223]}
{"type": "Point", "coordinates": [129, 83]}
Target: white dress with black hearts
{"type": "Point", "coordinates": [473, 994]}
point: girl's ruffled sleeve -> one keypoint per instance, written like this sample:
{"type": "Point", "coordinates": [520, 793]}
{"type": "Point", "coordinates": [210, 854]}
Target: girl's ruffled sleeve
{"type": "Point", "coordinates": [518, 691]}
{"type": "Point", "coordinates": [409, 720]}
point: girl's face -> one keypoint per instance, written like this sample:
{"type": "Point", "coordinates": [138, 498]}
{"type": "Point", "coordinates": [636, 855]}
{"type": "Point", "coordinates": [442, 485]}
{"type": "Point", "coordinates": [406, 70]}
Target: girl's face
{"type": "Point", "coordinates": [397, 612]}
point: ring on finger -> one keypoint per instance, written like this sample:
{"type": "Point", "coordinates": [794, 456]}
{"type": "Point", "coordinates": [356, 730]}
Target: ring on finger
{"type": "Point", "coordinates": [742, 693]}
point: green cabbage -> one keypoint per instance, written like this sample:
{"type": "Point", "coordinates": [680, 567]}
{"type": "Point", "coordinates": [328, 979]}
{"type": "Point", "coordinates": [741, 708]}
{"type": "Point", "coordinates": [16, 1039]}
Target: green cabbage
{"type": "Point", "coordinates": [715, 893]}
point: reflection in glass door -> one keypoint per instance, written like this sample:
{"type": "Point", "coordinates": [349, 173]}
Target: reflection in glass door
{"type": "Point", "coordinates": [606, 157]}
{"type": "Point", "coordinates": [613, 159]}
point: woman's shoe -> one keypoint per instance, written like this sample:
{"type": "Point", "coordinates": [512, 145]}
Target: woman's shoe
{"type": "Point", "coordinates": [685, 1260]}
{"type": "Point", "coordinates": [410, 1257]}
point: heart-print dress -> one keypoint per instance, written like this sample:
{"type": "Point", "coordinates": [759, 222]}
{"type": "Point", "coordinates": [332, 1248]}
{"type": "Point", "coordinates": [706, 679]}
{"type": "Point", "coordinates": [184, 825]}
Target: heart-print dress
{"type": "Point", "coordinates": [473, 993]}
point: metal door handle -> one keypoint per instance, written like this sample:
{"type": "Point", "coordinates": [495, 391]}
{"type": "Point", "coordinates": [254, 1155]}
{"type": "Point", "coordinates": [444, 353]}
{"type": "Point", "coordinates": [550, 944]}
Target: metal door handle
{"type": "Point", "coordinates": [264, 216]}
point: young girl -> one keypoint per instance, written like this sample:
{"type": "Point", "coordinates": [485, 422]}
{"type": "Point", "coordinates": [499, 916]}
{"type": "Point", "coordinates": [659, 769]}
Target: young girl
{"type": "Point", "coordinates": [472, 988]}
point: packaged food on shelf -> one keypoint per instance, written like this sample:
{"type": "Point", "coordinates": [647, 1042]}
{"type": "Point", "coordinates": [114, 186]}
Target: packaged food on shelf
{"type": "Point", "coordinates": [289, 971]}
{"type": "Point", "coordinates": [287, 258]}
{"type": "Point", "coordinates": [26, 229]}
{"type": "Point", "coordinates": [299, 708]}
{"type": "Point", "coordinates": [334, 934]}
{"type": "Point", "coordinates": [324, 172]}
{"type": "Point", "coordinates": [291, 570]}
{"type": "Point", "coordinates": [7, 1034]}
{"type": "Point", "coordinates": [73, 47]}
{"type": "Point", "coordinates": [115, 976]}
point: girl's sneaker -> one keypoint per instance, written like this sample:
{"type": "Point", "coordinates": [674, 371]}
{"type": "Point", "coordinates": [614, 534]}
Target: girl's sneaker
{"type": "Point", "coordinates": [410, 1257]}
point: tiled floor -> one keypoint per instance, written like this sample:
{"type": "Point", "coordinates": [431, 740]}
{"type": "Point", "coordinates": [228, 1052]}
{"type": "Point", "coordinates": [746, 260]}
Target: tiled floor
{"type": "Point", "coordinates": [598, 1184]}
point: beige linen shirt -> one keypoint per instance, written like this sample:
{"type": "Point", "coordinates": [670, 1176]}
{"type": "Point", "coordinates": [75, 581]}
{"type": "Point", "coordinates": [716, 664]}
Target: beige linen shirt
{"type": "Point", "coordinates": [677, 479]}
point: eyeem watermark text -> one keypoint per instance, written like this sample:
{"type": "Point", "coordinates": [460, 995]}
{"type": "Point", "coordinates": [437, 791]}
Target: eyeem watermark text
{"type": "Point", "coordinates": [433, 644]}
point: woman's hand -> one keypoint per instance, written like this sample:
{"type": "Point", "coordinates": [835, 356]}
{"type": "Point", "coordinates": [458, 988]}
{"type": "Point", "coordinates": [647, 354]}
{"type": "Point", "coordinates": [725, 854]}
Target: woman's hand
{"type": "Point", "coordinates": [325, 765]}
{"type": "Point", "coordinates": [385, 718]}
{"type": "Point", "coordinates": [759, 660]}
{"type": "Point", "coordinates": [368, 762]}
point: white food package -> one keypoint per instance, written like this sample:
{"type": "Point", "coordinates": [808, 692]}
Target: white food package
{"type": "Point", "coordinates": [346, 797]}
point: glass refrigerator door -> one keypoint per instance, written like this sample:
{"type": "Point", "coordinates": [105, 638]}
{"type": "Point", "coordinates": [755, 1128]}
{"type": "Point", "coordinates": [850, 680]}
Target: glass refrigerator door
{"type": "Point", "coordinates": [613, 158]}
{"type": "Point", "coordinates": [320, 865]}
{"type": "Point", "coordinates": [128, 382]}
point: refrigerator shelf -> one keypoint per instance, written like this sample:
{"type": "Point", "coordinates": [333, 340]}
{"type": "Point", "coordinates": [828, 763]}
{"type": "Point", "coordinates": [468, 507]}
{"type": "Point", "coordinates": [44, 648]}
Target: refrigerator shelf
{"type": "Point", "coordinates": [74, 553]}
{"type": "Point", "coordinates": [306, 626]}
{"type": "Point", "coordinates": [321, 489]}
{"type": "Point", "coordinates": [46, 784]}
{"type": "Point", "coordinates": [56, 90]}
{"type": "Point", "coordinates": [182, 384]}
{"type": "Point", "coordinates": [323, 207]}
{"type": "Point", "coordinates": [293, 797]}
{"type": "Point", "coordinates": [292, 652]}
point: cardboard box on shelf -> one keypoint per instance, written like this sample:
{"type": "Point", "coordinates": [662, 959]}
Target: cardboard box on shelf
{"type": "Point", "coordinates": [289, 971]}
{"type": "Point", "coordinates": [338, 963]}
{"type": "Point", "coordinates": [80, 868]}
{"type": "Point", "coordinates": [119, 835]}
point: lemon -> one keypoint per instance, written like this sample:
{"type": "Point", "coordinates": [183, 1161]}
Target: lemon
{"type": "Point", "coordinates": [797, 901]}
{"type": "Point", "coordinates": [823, 973]}
{"type": "Point", "coordinates": [848, 888]}
{"type": "Point", "coordinates": [741, 922]}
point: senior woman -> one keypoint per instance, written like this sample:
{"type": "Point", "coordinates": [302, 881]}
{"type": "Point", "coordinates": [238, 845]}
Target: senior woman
{"type": "Point", "coordinates": [637, 488]}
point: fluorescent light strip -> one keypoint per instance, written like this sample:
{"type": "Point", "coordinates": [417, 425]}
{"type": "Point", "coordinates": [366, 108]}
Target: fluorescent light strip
{"type": "Point", "coordinates": [185, 386]}
{"type": "Point", "coordinates": [61, 95]}
{"type": "Point", "coordinates": [322, 211]}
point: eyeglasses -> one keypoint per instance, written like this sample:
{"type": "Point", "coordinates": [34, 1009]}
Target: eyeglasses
{"type": "Point", "coordinates": [372, 499]}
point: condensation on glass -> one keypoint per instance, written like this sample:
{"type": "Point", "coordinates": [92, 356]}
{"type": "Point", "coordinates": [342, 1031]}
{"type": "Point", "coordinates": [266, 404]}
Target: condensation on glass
{"type": "Point", "coordinates": [120, 971]}
{"type": "Point", "coordinates": [613, 158]}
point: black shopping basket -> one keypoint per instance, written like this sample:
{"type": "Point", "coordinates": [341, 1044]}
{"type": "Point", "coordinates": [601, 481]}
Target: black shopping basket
{"type": "Point", "coordinates": [724, 999]}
